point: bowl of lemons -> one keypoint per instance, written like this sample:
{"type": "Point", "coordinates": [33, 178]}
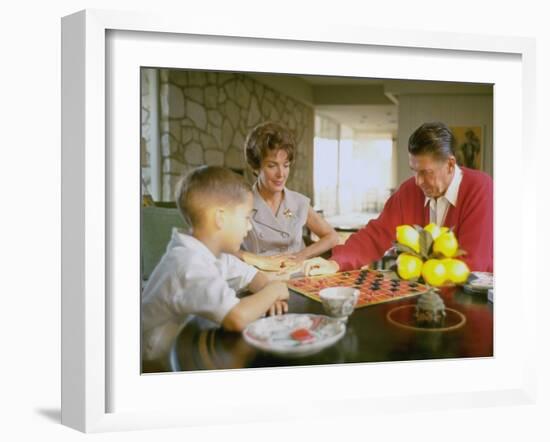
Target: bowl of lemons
{"type": "Point", "coordinates": [430, 253]}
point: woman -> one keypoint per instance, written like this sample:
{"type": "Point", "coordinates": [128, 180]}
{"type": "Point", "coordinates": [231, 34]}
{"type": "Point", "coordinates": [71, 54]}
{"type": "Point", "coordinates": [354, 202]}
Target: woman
{"type": "Point", "coordinates": [279, 214]}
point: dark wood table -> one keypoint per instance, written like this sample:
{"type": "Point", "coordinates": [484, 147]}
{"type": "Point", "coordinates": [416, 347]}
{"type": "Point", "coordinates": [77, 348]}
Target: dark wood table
{"type": "Point", "coordinates": [370, 337]}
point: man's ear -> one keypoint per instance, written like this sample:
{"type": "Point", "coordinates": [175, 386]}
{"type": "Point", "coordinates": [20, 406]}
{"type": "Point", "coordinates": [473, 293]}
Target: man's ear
{"type": "Point", "coordinates": [219, 217]}
{"type": "Point", "coordinates": [451, 162]}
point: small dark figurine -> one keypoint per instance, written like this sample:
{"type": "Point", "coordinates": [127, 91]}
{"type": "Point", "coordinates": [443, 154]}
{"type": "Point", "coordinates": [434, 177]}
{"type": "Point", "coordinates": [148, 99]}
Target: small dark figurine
{"type": "Point", "coordinates": [430, 309]}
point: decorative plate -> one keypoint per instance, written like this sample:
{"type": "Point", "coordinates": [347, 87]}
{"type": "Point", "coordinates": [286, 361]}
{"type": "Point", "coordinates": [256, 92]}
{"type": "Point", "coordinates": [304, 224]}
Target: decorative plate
{"type": "Point", "coordinates": [294, 335]}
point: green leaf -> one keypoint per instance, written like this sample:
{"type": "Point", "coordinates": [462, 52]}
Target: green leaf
{"type": "Point", "coordinates": [405, 249]}
{"type": "Point", "coordinates": [426, 242]}
{"type": "Point", "coordinates": [392, 251]}
{"type": "Point", "coordinates": [460, 252]}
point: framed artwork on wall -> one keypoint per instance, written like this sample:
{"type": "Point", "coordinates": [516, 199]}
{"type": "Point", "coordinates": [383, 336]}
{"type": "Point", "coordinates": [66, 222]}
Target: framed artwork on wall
{"type": "Point", "coordinates": [469, 146]}
{"type": "Point", "coordinates": [103, 388]}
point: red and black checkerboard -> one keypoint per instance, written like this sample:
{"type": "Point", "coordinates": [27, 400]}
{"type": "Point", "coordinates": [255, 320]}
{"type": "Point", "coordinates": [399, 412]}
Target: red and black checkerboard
{"type": "Point", "coordinates": [374, 287]}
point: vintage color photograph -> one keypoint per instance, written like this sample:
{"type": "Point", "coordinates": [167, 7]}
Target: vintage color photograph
{"type": "Point", "coordinates": [292, 220]}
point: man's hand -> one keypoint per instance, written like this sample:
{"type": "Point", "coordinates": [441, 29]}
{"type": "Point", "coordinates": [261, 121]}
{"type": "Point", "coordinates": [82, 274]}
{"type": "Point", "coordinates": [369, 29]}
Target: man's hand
{"type": "Point", "coordinates": [319, 266]}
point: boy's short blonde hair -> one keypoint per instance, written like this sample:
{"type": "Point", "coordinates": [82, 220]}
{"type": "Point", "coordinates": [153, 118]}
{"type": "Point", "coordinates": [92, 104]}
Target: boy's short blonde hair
{"type": "Point", "coordinates": [206, 186]}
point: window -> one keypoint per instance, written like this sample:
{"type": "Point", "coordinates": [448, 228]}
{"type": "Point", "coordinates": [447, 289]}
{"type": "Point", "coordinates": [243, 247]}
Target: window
{"type": "Point", "coordinates": [352, 171]}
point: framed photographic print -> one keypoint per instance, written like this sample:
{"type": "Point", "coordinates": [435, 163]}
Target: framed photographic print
{"type": "Point", "coordinates": [111, 61]}
{"type": "Point", "coordinates": [348, 135]}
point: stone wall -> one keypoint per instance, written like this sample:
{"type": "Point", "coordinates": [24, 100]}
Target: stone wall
{"type": "Point", "coordinates": [205, 117]}
{"type": "Point", "coordinates": [146, 120]}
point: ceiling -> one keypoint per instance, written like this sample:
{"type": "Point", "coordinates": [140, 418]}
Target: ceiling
{"type": "Point", "coordinates": [363, 118]}
{"type": "Point", "coordinates": [369, 118]}
{"type": "Point", "coordinates": [369, 104]}
{"type": "Point", "coordinates": [322, 80]}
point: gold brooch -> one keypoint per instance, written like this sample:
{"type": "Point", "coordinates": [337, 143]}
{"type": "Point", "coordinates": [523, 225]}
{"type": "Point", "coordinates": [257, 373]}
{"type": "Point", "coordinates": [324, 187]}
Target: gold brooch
{"type": "Point", "coordinates": [288, 213]}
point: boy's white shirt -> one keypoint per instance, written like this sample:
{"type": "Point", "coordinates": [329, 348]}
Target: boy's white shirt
{"type": "Point", "coordinates": [189, 280]}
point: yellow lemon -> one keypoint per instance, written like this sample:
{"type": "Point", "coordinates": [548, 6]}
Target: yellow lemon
{"type": "Point", "coordinates": [434, 230]}
{"type": "Point", "coordinates": [457, 270]}
{"type": "Point", "coordinates": [434, 272]}
{"type": "Point", "coordinates": [408, 236]}
{"type": "Point", "coordinates": [408, 266]}
{"type": "Point", "coordinates": [446, 244]}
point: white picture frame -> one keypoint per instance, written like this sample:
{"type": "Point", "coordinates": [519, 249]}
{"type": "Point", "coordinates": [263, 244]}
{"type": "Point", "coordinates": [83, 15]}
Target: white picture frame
{"type": "Point", "coordinates": [93, 363]}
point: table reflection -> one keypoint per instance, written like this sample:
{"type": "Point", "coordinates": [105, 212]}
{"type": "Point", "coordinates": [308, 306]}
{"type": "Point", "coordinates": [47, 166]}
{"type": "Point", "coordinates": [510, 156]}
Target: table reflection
{"type": "Point", "coordinates": [370, 337]}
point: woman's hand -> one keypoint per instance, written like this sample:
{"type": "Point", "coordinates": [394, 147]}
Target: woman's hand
{"type": "Point", "coordinates": [319, 266]}
{"type": "Point", "coordinates": [274, 263]}
{"type": "Point", "coordinates": [269, 263]}
{"type": "Point", "coordinates": [288, 261]}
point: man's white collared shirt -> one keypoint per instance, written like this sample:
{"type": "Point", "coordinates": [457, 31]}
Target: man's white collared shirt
{"type": "Point", "coordinates": [440, 206]}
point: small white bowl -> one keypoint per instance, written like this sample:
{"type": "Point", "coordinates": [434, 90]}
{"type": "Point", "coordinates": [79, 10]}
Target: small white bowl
{"type": "Point", "coordinates": [339, 302]}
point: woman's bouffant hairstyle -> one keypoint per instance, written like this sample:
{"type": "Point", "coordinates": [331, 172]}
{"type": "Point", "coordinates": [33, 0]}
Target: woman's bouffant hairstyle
{"type": "Point", "coordinates": [206, 186]}
{"type": "Point", "coordinates": [432, 138]}
{"type": "Point", "coordinates": [265, 138]}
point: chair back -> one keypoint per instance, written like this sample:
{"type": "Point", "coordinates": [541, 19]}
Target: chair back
{"type": "Point", "coordinates": [156, 230]}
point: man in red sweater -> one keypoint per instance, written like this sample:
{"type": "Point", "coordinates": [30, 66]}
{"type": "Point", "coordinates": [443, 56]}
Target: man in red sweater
{"type": "Point", "coordinates": [439, 192]}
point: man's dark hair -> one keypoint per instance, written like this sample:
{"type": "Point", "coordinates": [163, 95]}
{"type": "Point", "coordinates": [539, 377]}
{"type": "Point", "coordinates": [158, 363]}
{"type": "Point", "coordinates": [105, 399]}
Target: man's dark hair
{"type": "Point", "coordinates": [432, 138]}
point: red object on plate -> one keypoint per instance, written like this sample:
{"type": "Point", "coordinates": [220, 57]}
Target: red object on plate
{"type": "Point", "coordinates": [302, 334]}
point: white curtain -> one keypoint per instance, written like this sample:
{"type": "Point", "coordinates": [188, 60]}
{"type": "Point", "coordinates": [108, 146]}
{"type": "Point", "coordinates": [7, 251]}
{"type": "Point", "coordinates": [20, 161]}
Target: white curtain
{"type": "Point", "coordinates": [325, 165]}
{"type": "Point", "coordinates": [352, 172]}
{"type": "Point", "coordinates": [371, 171]}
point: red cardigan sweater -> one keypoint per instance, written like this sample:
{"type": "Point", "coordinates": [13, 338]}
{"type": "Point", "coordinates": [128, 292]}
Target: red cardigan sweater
{"type": "Point", "coordinates": [472, 219]}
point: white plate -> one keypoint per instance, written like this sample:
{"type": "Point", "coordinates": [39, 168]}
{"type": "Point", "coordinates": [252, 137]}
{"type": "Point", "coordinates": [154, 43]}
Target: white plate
{"type": "Point", "coordinates": [274, 334]}
{"type": "Point", "coordinates": [479, 282]}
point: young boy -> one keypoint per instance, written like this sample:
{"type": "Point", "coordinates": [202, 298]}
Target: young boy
{"type": "Point", "coordinates": [198, 274]}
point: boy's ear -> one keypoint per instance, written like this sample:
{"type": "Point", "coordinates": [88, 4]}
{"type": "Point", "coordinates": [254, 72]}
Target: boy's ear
{"type": "Point", "coordinates": [219, 218]}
